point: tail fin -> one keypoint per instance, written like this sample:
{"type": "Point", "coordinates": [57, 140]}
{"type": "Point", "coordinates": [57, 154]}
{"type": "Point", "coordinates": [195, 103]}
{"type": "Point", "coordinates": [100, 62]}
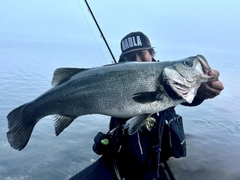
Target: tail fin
{"type": "Point", "coordinates": [19, 131]}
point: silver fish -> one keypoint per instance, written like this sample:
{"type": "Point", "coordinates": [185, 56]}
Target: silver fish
{"type": "Point", "coordinates": [122, 90]}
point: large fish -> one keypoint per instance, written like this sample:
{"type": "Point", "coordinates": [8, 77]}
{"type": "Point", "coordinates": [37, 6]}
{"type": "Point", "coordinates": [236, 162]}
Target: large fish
{"type": "Point", "coordinates": [123, 90]}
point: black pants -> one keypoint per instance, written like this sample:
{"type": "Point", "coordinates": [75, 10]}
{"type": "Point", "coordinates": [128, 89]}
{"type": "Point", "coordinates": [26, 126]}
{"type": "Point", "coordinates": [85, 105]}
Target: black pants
{"type": "Point", "coordinates": [99, 170]}
{"type": "Point", "coordinates": [102, 170]}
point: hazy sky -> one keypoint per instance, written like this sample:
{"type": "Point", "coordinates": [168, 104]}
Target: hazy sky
{"type": "Point", "coordinates": [168, 23]}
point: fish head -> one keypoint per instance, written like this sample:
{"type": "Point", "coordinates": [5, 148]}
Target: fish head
{"type": "Point", "coordinates": [183, 78]}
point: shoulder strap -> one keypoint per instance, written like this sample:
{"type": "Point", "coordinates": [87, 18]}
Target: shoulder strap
{"type": "Point", "coordinates": [116, 169]}
{"type": "Point", "coordinates": [118, 135]}
{"type": "Point", "coordinates": [160, 132]}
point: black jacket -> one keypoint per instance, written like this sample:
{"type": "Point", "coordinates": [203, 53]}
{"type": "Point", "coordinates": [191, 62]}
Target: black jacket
{"type": "Point", "coordinates": [138, 156]}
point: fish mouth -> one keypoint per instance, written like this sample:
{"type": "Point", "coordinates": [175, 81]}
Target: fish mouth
{"type": "Point", "coordinates": [203, 67]}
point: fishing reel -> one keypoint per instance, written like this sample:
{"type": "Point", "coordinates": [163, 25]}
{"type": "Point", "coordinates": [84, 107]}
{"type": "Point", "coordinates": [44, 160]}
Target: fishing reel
{"type": "Point", "coordinates": [101, 143]}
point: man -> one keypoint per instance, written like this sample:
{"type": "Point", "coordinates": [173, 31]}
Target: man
{"type": "Point", "coordinates": [142, 156]}
{"type": "Point", "coordinates": [142, 164]}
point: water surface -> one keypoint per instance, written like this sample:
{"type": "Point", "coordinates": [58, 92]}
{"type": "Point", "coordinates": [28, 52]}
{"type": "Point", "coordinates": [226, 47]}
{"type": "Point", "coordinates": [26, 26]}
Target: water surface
{"type": "Point", "coordinates": [212, 129]}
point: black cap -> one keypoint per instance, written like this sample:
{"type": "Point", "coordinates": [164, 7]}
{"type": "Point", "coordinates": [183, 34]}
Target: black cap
{"type": "Point", "coordinates": [134, 41]}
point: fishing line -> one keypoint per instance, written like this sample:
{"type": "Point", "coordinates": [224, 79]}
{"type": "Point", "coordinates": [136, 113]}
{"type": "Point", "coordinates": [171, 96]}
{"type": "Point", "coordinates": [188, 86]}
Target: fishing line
{"type": "Point", "coordinates": [91, 31]}
{"type": "Point", "coordinates": [100, 31]}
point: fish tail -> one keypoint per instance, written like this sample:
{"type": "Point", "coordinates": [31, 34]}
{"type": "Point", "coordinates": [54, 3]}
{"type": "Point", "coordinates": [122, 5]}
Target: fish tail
{"type": "Point", "coordinates": [19, 130]}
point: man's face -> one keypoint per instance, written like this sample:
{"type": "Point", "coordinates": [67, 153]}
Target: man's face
{"type": "Point", "coordinates": [140, 56]}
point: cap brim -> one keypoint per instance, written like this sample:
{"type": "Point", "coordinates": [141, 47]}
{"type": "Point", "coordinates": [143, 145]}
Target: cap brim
{"type": "Point", "coordinates": [137, 49]}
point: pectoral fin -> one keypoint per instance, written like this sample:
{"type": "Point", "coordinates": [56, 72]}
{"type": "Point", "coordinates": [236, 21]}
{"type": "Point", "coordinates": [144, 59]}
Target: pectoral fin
{"type": "Point", "coordinates": [135, 123]}
{"type": "Point", "coordinates": [147, 97]}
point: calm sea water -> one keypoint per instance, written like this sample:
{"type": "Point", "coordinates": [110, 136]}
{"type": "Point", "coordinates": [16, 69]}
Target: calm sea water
{"type": "Point", "coordinates": [212, 129]}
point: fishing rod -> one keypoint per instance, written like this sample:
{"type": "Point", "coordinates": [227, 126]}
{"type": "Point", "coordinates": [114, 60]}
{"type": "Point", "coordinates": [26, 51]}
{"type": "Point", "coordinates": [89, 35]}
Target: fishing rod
{"type": "Point", "coordinates": [100, 31]}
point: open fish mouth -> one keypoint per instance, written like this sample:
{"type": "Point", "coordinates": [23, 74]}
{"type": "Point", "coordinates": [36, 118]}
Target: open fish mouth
{"type": "Point", "coordinates": [203, 66]}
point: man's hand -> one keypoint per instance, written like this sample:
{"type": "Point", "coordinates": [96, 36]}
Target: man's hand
{"type": "Point", "coordinates": [210, 89]}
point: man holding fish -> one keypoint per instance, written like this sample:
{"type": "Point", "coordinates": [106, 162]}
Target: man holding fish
{"type": "Point", "coordinates": [144, 129]}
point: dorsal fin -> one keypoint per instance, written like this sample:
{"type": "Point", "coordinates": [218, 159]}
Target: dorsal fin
{"type": "Point", "coordinates": [61, 75]}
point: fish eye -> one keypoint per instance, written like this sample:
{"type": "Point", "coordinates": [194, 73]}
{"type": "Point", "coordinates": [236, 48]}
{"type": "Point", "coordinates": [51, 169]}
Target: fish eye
{"type": "Point", "coordinates": [188, 63]}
